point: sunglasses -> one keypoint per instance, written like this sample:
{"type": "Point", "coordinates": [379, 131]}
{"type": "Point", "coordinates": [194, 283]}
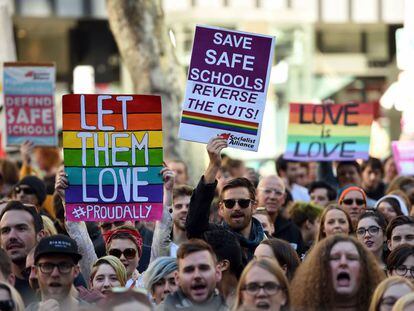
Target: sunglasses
{"type": "Point", "coordinates": [19, 190]}
{"type": "Point", "coordinates": [129, 253]}
{"type": "Point", "coordinates": [230, 203]}
{"type": "Point", "coordinates": [350, 201]}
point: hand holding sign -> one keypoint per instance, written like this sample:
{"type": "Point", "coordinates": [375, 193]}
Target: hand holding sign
{"type": "Point", "coordinates": [168, 176]}
{"type": "Point", "coordinates": [214, 148]}
{"type": "Point", "coordinates": [26, 150]}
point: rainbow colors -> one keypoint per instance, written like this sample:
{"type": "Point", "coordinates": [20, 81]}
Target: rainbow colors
{"type": "Point", "coordinates": [113, 157]}
{"type": "Point", "coordinates": [329, 132]}
{"type": "Point", "coordinates": [222, 123]}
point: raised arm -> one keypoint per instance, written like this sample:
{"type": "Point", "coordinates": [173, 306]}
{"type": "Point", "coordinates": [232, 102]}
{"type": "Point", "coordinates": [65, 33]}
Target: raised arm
{"type": "Point", "coordinates": [161, 240]}
{"type": "Point", "coordinates": [77, 231]}
{"type": "Point", "coordinates": [26, 151]}
{"type": "Point", "coordinates": [199, 211]}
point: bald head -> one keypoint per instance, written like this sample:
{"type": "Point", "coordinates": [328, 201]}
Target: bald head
{"type": "Point", "coordinates": [271, 194]}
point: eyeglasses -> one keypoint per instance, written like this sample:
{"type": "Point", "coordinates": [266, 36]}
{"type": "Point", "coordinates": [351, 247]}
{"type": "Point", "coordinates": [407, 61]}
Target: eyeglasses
{"type": "Point", "coordinates": [7, 305]}
{"type": "Point", "coordinates": [28, 190]}
{"type": "Point", "coordinates": [356, 201]}
{"type": "Point", "coordinates": [109, 225]}
{"type": "Point", "coordinates": [269, 288]}
{"type": "Point", "coordinates": [48, 267]}
{"type": "Point", "coordinates": [372, 230]}
{"type": "Point", "coordinates": [270, 190]}
{"type": "Point", "coordinates": [402, 270]}
{"type": "Point", "coordinates": [243, 203]}
{"type": "Point", "coordinates": [129, 253]}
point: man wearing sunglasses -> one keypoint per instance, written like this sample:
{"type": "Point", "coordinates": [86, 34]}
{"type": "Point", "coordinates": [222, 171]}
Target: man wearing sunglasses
{"type": "Point", "coordinates": [56, 267]}
{"type": "Point", "coordinates": [236, 206]}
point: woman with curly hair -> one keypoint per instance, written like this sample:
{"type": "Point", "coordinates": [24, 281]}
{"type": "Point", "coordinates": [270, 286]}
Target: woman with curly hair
{"type": "Point", "coordinates": [334, 220]}
{"type": "Point", "coordinates": [338, 273]}
{"type": "Point", "coordinates": [388, 292]}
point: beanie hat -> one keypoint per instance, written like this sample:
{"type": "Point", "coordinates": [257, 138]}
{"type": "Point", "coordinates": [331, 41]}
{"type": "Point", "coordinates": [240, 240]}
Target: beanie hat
{"type": "Point", "coordinates": [37, 185]}
{"type": "Point", "coordinates": [345, 190]}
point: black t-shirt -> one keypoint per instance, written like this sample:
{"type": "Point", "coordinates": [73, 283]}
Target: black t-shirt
{"type": "Point", "coordinates": [24, 289]}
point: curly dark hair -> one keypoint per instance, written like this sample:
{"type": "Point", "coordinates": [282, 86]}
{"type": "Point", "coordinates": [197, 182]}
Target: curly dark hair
{"type": "Point", "coordinates": [312, 288]}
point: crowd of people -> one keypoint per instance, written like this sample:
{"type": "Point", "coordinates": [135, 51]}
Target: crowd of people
{"type": "Point", "coordinates": [311, 236]}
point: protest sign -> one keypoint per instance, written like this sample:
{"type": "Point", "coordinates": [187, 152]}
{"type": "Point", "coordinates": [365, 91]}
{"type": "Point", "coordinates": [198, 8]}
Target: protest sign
{"type": "Point", "coordinates": [113, 157]}
{"type": "Point", "coordinates": [329, 132]}
{"type": "Point", "coordinates": [226, 87]}
{"type": "Point", "coordinates": [403, 152]}
{"type": "Point", "coordinates": [2, 151]}
{"type": "Point", "coordinates": [29, 103]}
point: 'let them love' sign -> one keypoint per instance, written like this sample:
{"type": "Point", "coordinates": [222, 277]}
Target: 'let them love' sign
{"type": "Point", "coordinates": [113, 157]}
{"type": "Point", "coordinates": [329, 132]}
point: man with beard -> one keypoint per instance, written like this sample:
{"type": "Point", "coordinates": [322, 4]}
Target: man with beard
{"type": "Point", "coordinates": [56, 266]}
{"type": "Point", "coordinates": [271, 194]}
{"type": "Point", "coordinates": [237, 202]}
{"type": "Point", "coordinates": [21, 227]}
{"type": "Point", "coordinates": [170, 231]}
{"type": "Point", "coordinates": [197, 278]}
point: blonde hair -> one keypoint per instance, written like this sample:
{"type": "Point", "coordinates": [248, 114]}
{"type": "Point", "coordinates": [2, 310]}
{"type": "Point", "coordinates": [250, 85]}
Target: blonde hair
{"type": "Point", "coordinates": [383, 286]}
{"type": "Point", "coordinates": [115, 263]}
{"type": "Point", "coordinates": [14, 295]}
{"type": "Point", "coordinates": [273, 268]}
{"type": "Point", "coordinates": [48, 226]}
{"type": "Point", "coordinates": [404, 302]}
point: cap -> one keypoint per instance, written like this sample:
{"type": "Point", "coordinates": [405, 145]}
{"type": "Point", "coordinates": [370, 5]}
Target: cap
{"type": "Point", "coordinates": [57, 244]}
{"type": "Point", "coordinates": [37, 185]}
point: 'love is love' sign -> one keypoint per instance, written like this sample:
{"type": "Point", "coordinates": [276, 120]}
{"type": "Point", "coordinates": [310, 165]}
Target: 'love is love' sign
{"type": "Point", "coordinates": [113, 157]}
{"type": "Point", "coordinates": [329, 132]}
{"type": "Point", "coordinates": [226, 87]}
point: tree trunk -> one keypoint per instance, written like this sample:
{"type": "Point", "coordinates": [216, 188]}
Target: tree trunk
{"type": "Point", "coordinates": [141, 35]}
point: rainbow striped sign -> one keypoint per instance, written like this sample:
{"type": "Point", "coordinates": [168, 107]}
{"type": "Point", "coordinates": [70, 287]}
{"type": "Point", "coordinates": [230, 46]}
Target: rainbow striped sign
{"type": "Point", "coordinates": [113, 157]}
{"type": "Point", "coordinates": [226, 87]}
{"type": "Point", "coordinates": [329, 132]}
